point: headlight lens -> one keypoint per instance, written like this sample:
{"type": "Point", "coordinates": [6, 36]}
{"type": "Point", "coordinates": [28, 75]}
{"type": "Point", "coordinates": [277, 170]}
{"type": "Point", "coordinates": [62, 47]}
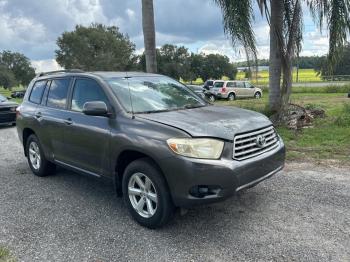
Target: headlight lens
{"type": "Point", "coordinates": [13, 109]}
{"type": "Point", "coordinates": [197, 147]}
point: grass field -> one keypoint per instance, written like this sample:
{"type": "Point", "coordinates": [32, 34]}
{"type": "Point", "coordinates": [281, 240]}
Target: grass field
{"type": "Point", "coordinates": [305, 75]}
{"type": "Point", "coordinates": [329, 138]}
{"type": "Point", "coordinates": [7, 93]}
{"type": "Point", "coordinates": [5, 255]}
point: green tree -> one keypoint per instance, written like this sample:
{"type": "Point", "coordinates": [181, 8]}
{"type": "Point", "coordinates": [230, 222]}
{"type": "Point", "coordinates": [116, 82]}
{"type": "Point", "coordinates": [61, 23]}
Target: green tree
{"type": "Point", "coordinates": [149, 36]}
{"type": "Point", "coordinates": [19, 65]}
{"type": "Point", "coordinates": [7, 78]}
{"type": "Point", "coordinates": [96, 47]}
{"type": "Point", "coordinates": [341, 68]}
{"type": "Point", "coordinates": [285, 20]}
{"type": "Point", "coordinates": [215, 66]}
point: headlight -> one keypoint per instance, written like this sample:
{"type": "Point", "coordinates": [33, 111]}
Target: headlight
{"type": "Point", "coordinates": [197, 147]}
{"type": "Point", "coordinates": [13, 109]}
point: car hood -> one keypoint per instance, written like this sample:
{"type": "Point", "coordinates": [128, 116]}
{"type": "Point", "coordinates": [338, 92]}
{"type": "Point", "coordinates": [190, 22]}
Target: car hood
{"type": "Point", "coordinates": [8, 104]}
{"type": "Point", "coordinates": [211, 121]}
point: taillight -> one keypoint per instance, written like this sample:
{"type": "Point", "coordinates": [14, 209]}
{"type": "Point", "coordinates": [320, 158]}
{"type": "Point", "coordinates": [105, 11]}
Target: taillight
{"type": "Point", "coordinates": [223, 90]}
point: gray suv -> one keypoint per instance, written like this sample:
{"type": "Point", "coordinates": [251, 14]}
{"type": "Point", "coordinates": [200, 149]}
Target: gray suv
{"type": "Point", "coordinates": [162, 145]}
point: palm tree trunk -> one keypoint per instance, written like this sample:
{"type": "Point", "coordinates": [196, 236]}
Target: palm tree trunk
{"type": "Point", "coordinates": [149, 35]}
{"type": "Point", "coordinates": [275, 55]}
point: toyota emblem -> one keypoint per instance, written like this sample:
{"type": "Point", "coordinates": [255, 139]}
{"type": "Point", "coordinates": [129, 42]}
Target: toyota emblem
{"type": "Point", "coordinates": [260, 141]}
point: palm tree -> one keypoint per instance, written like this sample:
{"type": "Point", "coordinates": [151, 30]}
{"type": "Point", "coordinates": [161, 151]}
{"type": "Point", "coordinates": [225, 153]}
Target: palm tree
{"type": "Point", "coordinates": [285, 20]}
{"type": "Point", "coordinates": [149, 35]}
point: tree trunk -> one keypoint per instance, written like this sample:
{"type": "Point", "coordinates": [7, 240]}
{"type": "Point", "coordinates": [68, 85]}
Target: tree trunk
{"type": "Point", "coordinates": [287, 81]}
{"type": "Point", "coordinates": [275, 67]}
{"type": "Point", "coordinates": [149, 35]}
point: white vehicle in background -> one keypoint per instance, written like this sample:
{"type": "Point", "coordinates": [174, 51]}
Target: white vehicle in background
{"type": "Point", "coordinates": [232, 90]}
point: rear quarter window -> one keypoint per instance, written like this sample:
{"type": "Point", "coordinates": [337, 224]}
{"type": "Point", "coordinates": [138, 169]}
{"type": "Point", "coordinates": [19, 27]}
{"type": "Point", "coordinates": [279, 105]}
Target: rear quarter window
{"type": "Point", "coordinates": [37, 92]}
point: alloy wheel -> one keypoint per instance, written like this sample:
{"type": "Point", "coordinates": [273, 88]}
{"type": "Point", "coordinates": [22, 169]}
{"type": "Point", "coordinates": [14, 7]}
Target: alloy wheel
{"type": "Point", "coordinates": [34, 155]}
{"type": "Point", "coordinates": [231, 97]}
{"type": "Point", "coordinates": [143, 195]}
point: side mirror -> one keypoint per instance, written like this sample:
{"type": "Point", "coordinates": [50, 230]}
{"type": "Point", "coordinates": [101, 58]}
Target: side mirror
{"type": "Point", "coordinates": [95, 108]}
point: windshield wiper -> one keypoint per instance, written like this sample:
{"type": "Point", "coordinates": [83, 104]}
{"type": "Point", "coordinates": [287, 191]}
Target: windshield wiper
{"type": "Point", "coordinates": [192, 106]}
{"type": "Point", "coordinates": [153, 111]}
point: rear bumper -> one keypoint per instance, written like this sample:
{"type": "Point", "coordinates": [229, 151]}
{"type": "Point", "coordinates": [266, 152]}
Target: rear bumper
{"type": "Point", "coordinates": [223, 177]}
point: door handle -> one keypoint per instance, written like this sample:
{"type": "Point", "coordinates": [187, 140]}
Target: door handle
{"type": "Point", "coordinates": [68, 121]}
{"type": "Point", "coordinates": [38, 115]}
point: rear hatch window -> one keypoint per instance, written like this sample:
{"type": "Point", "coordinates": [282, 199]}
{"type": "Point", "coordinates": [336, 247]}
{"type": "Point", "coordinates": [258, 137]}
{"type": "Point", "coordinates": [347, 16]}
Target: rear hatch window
{"type": "Point", "coordinates": [218, 84]}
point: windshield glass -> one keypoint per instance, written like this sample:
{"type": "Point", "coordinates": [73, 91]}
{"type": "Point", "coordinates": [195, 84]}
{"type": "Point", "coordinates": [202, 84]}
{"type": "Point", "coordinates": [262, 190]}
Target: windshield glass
{"type": "Point", "coordinates": [153, 94]}
{"type": "Point", "coordinates": [2, 98]}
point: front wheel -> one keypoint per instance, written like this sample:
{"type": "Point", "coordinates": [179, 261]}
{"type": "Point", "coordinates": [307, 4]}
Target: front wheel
{"type": "Point", "coordinates": [146, 194]}
{"type": "Point", "coordinates": [257, 95]}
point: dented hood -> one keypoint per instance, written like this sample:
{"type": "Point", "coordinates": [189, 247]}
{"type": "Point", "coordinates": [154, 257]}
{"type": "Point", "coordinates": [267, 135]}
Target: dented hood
{"type": "Point", "coordinates": [211, 121]}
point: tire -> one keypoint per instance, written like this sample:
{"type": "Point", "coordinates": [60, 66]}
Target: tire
{"type": "Point", "coordinates": [155, 205]}
{"type": "Point", "coordinates": [231, 97]}
{"type": "Point", "coordinates": [41, 167]}
{"type": "Point", "coordinates": [257, 95]}
{"type": "Point", "coordinates": [212, 98]}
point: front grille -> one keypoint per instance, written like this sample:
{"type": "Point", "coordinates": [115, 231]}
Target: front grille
{"type": "Point", "coordinates": [7, 118]}
{"type": "Point", "coordinates": [247, 145]}
{"type": "Point", "coordinates": [5, 109]}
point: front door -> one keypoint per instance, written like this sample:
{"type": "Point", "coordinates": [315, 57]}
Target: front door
{"type": "Point", "coordinates": [87, 138]}
{"type": "Point", "coordinates": [250, 89]}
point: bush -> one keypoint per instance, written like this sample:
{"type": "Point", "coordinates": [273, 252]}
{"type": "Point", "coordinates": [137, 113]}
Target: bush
{"type": "Point", "coordinates": [344, 119]}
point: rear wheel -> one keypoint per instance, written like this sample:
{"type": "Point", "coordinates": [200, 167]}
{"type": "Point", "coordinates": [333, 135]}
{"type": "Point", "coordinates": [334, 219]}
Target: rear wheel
{"type": "Point", "coordinates": [231, 97]}
{"type": "Point", "coordinates": [36, 158]}
{"type": "Point", "coordinates": [212, 98]}
{"type": "Point", "coordinates": [146, 194]}
{"type": "Point", "coordinates": [257, 95]}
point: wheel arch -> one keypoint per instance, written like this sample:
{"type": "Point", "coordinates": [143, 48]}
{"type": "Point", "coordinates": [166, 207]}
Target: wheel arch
{"type": "Point", "coordinates": [124, 159]}
{"type": "Point", "coordinates": [25, 134]}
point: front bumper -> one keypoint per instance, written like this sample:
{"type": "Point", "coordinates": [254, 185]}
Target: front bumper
{"type": "Point", "coordinates": [225, 176]}
{"type": "Point", "coordinates": [7, 117]}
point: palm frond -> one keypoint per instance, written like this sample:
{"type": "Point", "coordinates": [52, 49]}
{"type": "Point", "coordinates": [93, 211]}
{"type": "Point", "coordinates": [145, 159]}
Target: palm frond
{"type": "Point", "coordinates": [336, 15]}
{"type": "Point", "coordinates": [237, 19]}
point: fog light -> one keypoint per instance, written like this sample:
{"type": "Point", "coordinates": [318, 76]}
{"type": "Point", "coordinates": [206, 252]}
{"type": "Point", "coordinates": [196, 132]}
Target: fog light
{"type": "Point", "coordinates": [201, 191]}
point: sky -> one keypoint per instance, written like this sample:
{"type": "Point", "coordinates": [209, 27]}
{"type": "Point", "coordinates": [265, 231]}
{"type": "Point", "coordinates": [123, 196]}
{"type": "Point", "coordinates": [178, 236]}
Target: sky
{"type": "Point", "coordinates": [33, 26]}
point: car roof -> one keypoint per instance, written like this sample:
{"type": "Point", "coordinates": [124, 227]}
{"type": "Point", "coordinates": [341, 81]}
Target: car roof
{"type": "Point", "coordinates": [225, 81]}
{"type": "Point", "coordinates": [101, 74]}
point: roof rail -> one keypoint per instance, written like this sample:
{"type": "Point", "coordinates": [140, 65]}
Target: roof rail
{"type": "Point", "coordinates": [60, 71]}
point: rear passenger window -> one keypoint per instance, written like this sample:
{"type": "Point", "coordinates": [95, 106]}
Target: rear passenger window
{"type": "Point", "coordinates": [37, 92]}
{"type": "Point", "coordinates": [230, 84]}
{"type": "Point", "coordinates": [57, 96]}
{"type": "Point", "coordinates": [240, 84]}
{"type": "Point", "coordinates": [86, 90]}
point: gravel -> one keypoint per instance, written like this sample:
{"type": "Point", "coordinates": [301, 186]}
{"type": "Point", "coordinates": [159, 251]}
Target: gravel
{"type": "Point", "coordinates": [302, 213]}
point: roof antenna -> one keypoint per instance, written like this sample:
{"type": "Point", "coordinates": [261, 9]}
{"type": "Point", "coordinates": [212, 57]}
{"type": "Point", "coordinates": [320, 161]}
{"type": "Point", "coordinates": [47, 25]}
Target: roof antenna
{"type": "Point", "coordinates": [132, 107]}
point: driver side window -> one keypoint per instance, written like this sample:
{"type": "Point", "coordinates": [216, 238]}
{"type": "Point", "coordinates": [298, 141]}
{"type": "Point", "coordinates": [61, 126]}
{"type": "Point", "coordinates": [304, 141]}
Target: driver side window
{"type": "Point", "coordinates": [86, 90]}
{"type": "Point", "coordinates": [248, 85]}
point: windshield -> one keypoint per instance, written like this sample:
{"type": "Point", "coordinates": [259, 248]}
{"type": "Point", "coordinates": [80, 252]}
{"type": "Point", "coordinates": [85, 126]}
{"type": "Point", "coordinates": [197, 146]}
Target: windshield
{"type": "Point", "coordinates": [152, 94]}
{"type": "Point", "coordinates": [2, 98]}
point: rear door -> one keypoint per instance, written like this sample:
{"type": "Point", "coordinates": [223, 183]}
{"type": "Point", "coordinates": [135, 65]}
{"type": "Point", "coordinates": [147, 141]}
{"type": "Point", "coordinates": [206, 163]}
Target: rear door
{"type": "Point", "coordinates": [51, 114]}
{"type": "Point", "coordinates": [87, 138]}
{"type": "Point", "coordinates": [240, 89]}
